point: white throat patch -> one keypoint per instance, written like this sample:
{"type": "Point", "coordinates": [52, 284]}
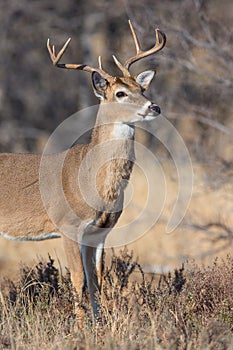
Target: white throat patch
{"type": "Point", "coordinates": [123, 131]}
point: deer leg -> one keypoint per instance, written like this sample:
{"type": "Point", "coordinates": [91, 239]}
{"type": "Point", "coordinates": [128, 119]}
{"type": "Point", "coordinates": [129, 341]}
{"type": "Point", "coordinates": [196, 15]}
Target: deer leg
{"type": "Point", "coordinates": [92, 273]}
{"type": "Point", "coordinates": [99, 262]}
{"type": "Point", "coordinates": [92, 248]}
{"type": "Point", "coordinates": [74, 259]}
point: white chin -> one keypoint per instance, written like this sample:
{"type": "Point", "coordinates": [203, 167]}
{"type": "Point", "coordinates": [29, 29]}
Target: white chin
{"type": "Point", "coordinates": [150, 117]}
{"type": "Point", "coordinates": [140, 118]}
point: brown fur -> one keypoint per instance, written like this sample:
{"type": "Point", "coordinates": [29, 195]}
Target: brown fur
{"type": "Point", "coordinates": [85, 226]}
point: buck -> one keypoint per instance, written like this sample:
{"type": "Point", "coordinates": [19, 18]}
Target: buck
{"type": "Point", "coordinates": [103, 167]}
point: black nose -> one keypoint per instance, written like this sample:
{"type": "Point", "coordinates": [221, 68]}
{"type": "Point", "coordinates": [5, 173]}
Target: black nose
{"type": "Point", "coordinates": [155, 108]}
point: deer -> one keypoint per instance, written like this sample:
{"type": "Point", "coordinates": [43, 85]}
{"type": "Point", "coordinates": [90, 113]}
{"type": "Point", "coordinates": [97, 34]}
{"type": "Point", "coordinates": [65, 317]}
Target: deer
{"type": "Point", "coordinates": [109, 155]}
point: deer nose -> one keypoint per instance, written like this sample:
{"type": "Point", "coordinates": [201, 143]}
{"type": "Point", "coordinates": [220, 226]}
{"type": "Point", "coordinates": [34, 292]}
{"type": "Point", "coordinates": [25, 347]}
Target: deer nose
{"type": "Point", "coordinates": [155, 108]}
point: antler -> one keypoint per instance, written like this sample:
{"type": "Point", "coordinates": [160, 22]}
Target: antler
{"type": "Point", "coordinates": [139, 52]}
{"type": "Point", "coordinates": [56, 58]}
{"type": "Point", "coordinates": [159, 44]}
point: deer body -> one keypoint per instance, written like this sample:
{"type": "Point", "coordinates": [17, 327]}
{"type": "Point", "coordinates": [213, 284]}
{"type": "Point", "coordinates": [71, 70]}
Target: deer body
{"type": "Point", "coordinates": [103, 168]}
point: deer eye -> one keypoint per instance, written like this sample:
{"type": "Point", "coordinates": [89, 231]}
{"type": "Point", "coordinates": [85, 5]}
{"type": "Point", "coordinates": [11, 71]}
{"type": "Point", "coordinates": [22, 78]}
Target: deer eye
{"type": "Point", "coordinates": [120, 94]}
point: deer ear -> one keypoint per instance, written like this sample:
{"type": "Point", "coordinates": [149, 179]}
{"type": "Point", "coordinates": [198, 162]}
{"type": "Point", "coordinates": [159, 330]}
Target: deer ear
{"type": "Point", "coordinates": [145, 78]}
{"type": "Point", "coordinates": [100, 84]}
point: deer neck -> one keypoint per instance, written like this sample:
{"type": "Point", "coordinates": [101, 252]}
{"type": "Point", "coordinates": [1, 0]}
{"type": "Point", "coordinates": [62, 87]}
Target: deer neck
{"type": "Point", "coordinates": [110, 132]}
{"type": "Point", "coordinates": [114, 144]}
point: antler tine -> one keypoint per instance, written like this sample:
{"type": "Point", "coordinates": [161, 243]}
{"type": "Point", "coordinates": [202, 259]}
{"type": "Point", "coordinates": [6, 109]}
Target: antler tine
{"type": "Point", "coordinates": [100, 62]}
{"type": "Point", "coordinates": [135, 38]}
{"type": "Point", "coordinates": [101, 71]}
{"type": "Point", "coordinates": [141, 54]}
{"type": "Point", "coordinates": [56, 58]}
{"type": "Point", "coordinates": [125, 71]}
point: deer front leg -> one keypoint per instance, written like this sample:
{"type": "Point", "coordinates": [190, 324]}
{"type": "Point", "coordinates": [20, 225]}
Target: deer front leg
{"type": "Point", "coordinates": [74, 259]}
{"type": "Point", "coordinates": [92, 258]}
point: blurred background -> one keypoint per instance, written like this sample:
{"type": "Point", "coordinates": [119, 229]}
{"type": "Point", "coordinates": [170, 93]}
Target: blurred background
{"type": "Point", "coordinates": [193, 87]}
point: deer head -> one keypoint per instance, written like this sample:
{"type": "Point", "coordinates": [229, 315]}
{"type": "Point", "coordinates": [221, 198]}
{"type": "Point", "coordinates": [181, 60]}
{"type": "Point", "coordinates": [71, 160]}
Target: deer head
{"type": "Point", "coordinates": [125, 90]}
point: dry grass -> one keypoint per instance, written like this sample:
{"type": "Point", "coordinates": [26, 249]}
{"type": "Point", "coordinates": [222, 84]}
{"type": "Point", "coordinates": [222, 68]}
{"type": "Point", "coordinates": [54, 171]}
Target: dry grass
{"type": "Point", "coordinates": [191, 308]}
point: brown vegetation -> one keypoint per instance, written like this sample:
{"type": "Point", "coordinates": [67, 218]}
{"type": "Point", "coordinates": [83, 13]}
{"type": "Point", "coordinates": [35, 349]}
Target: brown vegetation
{"type": "Point", "coordinates": [193, 87]}
{"type": "Point", "coordinates": [190, 308]}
